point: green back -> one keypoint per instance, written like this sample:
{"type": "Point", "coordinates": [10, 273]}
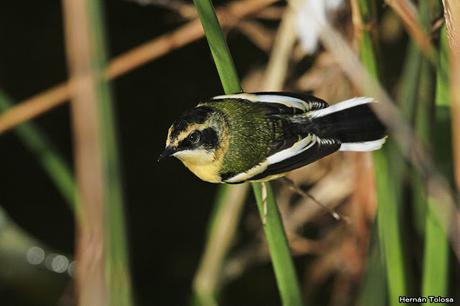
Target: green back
{"type": "Point", "coordinates": [250, 134]}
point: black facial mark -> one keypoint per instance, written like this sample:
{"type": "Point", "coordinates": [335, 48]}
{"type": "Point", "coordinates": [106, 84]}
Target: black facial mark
{"type": "Point", "coordinates": [192, 141]}
{"type": "Point", "coordinates": [206, 139]}
{"type": "Point", "coordinates": [196, 115]}
{"type": "Point", "coordinates": [209, 138]}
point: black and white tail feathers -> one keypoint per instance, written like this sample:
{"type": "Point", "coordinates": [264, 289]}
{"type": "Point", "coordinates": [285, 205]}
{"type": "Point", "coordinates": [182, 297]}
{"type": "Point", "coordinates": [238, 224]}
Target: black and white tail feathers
{"type": "Point", "coordinates": [352, 122]}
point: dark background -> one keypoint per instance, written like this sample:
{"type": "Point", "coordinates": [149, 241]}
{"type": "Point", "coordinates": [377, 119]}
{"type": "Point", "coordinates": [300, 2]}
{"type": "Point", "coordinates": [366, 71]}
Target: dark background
{"type": "Point", "coordinates": [167, 208]}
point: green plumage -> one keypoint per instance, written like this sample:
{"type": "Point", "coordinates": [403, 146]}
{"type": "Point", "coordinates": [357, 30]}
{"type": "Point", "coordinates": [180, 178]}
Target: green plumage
{"type": "Point", "coordinates": [261, 136]}
{"type": "Point", "coordinates": [252, 133]}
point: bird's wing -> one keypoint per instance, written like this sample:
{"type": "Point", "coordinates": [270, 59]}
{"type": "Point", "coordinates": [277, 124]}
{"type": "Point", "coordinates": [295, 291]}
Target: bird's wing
{"type": "Point", "coordinates": [301, 153]}
{"type": "Point", "coordinates": [294, 149]}
{"type": "Point", "coordinates": [288, 159]}
{"type": "Point", "coordinates": [301, 102]}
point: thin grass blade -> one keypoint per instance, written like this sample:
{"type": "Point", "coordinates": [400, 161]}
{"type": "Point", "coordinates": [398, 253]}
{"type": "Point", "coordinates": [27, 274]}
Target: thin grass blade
{"type": "Point", "coordinates": [48, 156]}
{"type": "Point", "coordinates": [219, 49]}
{"type": "Point", "coordinates": [436, 252]}
{"type": "Point", "coordinates": [388, 182]}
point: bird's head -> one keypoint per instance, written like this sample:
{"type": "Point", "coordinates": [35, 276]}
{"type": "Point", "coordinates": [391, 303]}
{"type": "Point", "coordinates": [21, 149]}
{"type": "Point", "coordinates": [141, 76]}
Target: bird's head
{"type": "Point", "coordinates": [196, 137]}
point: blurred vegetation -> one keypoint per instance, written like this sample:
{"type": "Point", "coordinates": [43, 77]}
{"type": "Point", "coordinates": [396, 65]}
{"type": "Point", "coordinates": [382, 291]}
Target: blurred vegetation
{"type": "Point", "coordinates": [401, 238]}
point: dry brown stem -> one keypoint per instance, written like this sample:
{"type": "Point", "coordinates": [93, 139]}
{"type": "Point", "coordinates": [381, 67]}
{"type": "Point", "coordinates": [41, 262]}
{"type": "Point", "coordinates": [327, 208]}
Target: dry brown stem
{"type": "Point", "coordinates": [406, 10]}
{"type": "Point", "coordinates": [257, 33]}
{"type": "Point", "coordinates": [271, 13]}
{"type": "Point", "coordinates": [157, 47]}
{"type": "Point", "coordinates": [90, 275]}
{"type": "Point", "coordinates": [452, 17]}
{"type": "Point", "coordinates": [286, 36]}
{"type": "Point", "coordinates": [182, 8]}
{"type": "Point", "coordinates": [208, 276]}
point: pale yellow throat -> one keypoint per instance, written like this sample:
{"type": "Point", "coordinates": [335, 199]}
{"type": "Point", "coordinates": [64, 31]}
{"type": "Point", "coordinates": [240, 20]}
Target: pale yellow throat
{"type": "Point", "coordinates": [202, 163]}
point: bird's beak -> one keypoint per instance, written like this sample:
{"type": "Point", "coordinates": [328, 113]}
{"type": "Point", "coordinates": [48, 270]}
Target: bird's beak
{"type": "Point", "coordinates": [167, 152]}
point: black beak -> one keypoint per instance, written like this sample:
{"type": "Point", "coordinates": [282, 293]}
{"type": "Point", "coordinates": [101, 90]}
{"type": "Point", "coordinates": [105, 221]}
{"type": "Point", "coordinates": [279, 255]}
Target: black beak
{"type": "Point", "coordinates": [167, 152]}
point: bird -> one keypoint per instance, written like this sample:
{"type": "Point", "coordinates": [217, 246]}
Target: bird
{"type": "Point", "coordinates": [262, 136]}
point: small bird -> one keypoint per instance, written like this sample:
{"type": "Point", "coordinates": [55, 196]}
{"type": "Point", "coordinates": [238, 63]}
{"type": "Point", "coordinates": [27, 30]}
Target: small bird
{"type": "Point", "coordinates": [262, 136]}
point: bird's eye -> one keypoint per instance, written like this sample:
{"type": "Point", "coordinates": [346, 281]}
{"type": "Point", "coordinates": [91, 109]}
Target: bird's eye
{"type": "Point", "coordinates": [194, 137]}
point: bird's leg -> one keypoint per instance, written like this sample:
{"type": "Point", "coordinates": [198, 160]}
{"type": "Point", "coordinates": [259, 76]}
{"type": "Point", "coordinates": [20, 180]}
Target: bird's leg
{"type": "Point", "coordinates": [264, 203]}
{"type": "Point", "coordinates": [293, 186]}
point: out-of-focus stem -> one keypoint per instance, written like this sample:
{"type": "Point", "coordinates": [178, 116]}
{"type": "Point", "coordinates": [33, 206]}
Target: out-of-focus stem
{"type": "Point", "coordinates": [102, 260]}
{"type": "Point", "coordinates": [222, 230]}
{"type": "Point", "coordinates": [132, 59]}
{"type": "Point", "coordinates": [452, 17]}
{"type": "Point", "coordinates": [388, 180]}
{"type": "Point", "coordinates": [47, 155]}
{"type": "Point", "coordinates": [408, 13]}
{"type": "Point", "coordinates": [90, 273]}
{"type": "Point", "coordinates": [275, 74]}
{"type": "Point", "coordinates": [436, 246]}
{"type": "Point", "coordinates": [408, 143]}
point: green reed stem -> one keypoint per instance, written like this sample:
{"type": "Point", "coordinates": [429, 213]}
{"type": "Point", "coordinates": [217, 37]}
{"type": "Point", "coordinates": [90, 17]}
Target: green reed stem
{"type": "Point", "coordinates": [116, 254]}
{"type": "Point", "coordinates": [388, 163]}
{"type": "Point", "coordinates": [283, 265]}
{"type": "Point", "coordinates": [436, 252]}
{"type": "Point", "coordinates": [219, 48]}
{"type": "Point", "coordinates": [282, 262]}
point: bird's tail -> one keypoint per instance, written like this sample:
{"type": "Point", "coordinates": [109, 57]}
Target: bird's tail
{"type": "Point", "coordinates": [353, 123]}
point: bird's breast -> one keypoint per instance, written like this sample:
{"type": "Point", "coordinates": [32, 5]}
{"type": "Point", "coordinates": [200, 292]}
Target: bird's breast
{"type": "Point", "coordinates": [207, 172]}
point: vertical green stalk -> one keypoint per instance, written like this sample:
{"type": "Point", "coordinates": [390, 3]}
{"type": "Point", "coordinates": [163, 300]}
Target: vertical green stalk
{"type": "Point", "coordinates": [374, 289]}
{"type": "Point", "coordinates": [431, 130]}
{"type": "Point", "coordinates": [207, 295]}
{"type": "Point", "coordinates": [116, 252]}
{"type": "Point", "coordinates": [388, 182]}
{"type": "Point", "coordinates": [423, 121]}
{"type": "Point", "coordinates": [277, 243]}
{"type": "Point", "coordinates": [389, 221]}
{"type": "Point", "coordinates": [375, 275]}
{"type": "Point", "coordinates": [436, 252]}
{"type": "Point", "coordinates": [283, 265]}
{"type": "Point", "coordinates": [50, 159]}
{"type": "Point", "coordinates": [219, 48]}
{"type": "Point", "coordinates": [408, 98]}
